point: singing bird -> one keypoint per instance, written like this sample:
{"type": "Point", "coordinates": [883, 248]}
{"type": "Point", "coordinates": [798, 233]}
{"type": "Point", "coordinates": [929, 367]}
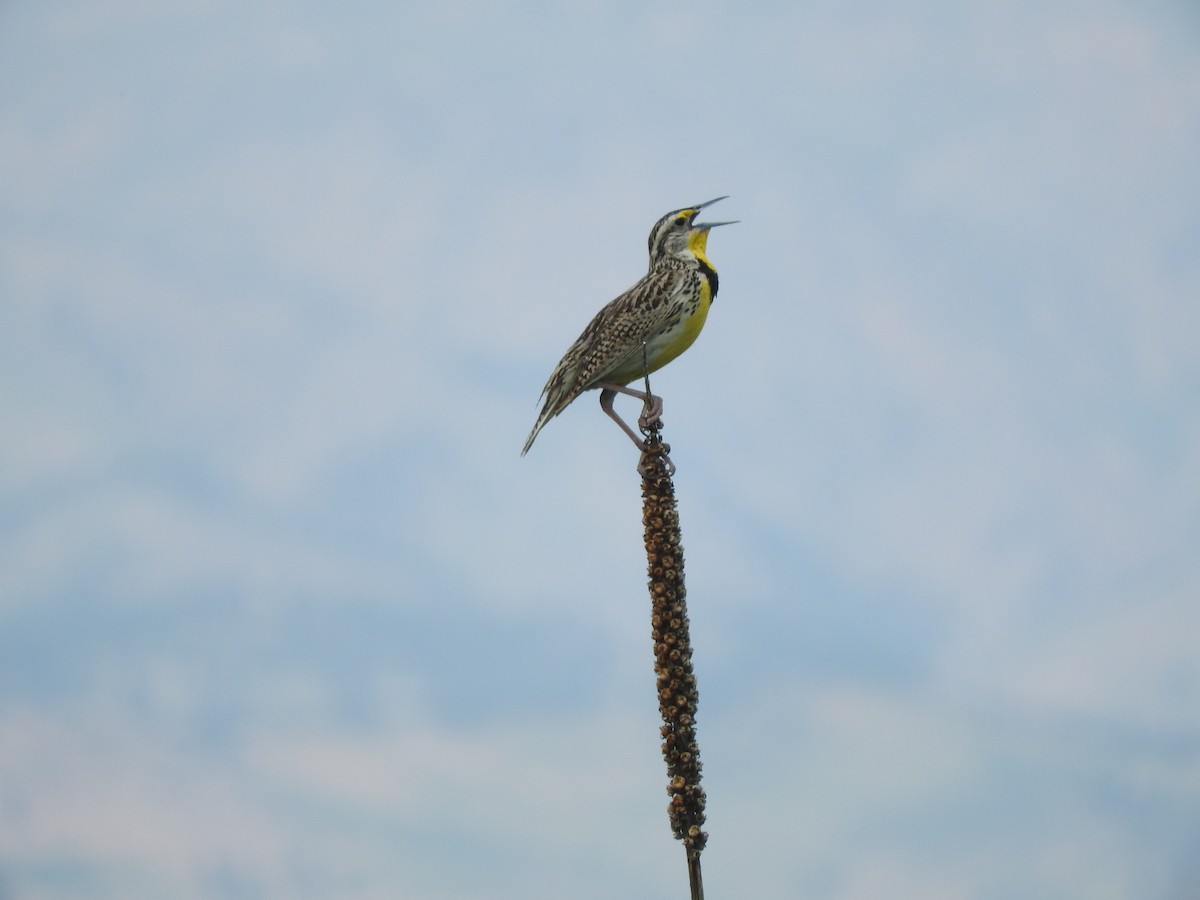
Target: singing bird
{"type": "Point", "coordinates": [644, 328]}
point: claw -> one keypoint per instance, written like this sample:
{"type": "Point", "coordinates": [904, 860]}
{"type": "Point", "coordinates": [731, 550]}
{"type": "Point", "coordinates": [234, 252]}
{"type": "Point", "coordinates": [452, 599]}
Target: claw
{"type": "Point", "coordinates": [651, 416]}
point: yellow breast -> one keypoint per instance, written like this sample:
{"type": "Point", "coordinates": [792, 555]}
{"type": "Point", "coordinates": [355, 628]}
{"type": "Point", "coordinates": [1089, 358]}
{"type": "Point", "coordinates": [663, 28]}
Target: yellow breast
{"type": "Point", "coordinates": [671, 343]}
{"type": "Point", "coordinates": [667, 344]}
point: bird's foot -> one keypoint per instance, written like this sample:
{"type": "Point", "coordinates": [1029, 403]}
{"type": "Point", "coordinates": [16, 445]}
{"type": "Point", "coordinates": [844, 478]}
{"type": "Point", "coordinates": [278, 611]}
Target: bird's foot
{"type": "Point", "coordinates": [651, 417]}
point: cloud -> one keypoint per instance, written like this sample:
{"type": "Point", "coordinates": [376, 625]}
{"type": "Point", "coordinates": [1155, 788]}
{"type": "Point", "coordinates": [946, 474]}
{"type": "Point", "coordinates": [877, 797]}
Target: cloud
{"type": "Point", "coordinates": [281, 290]}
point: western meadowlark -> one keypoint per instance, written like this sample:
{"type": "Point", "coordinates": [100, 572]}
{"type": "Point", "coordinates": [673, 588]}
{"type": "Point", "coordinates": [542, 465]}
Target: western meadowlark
{"type": "Point", "coordinates": [644, 328]}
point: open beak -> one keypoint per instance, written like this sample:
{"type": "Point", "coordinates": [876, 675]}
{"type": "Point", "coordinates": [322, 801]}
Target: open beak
{"type": "Point", "coordinates": [707, 225]}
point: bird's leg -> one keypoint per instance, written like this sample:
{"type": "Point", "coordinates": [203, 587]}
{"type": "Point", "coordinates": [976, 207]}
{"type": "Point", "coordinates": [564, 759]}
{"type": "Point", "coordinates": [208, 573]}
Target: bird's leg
{"type": "Point", "coordinates": [652, 407]}
{"type": "Point", "coordinates": [608, 393]}
{"type": "Point", "coordinates": [652, 404]}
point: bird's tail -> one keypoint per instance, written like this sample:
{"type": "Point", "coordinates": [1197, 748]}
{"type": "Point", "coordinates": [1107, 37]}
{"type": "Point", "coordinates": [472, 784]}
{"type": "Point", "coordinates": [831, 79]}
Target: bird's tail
{"type": "Point", "coordinates": [555, 403]}
{"type": "Point", "coordinates": [544, 416]}
{"type": "Point", "coordinates": [541, 421]}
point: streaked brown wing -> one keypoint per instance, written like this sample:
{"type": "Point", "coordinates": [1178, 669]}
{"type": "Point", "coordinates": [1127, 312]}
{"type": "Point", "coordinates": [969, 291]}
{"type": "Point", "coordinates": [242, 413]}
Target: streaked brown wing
{"type": "Point", "coordinates": [617, 332]}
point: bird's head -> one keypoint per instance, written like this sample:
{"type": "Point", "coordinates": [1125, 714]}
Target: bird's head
{"type": "Point", "coordinates": [678, 236]}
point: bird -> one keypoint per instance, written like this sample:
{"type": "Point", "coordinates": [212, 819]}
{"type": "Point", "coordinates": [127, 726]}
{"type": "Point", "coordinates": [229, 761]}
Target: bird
{"type": "Point", "coordinates": [644, 328]}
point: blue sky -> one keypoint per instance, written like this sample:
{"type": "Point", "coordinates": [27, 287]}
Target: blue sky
{"type": "Point", "coordinates": [284, 614]}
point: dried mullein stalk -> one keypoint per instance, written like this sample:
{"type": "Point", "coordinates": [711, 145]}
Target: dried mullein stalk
{"type": "Point", "coordinates": [676, 682]}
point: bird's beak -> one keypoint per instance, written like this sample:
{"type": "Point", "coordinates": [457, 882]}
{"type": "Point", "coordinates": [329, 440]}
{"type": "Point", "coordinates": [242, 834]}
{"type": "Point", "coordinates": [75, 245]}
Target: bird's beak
{"type": "Point", "coordinates": [711, 224]}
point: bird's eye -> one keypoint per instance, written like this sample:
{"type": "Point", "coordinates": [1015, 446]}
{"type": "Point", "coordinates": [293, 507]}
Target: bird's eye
{"type": "Point", "coordinates": [681, 222]}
